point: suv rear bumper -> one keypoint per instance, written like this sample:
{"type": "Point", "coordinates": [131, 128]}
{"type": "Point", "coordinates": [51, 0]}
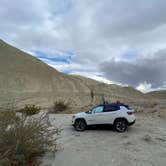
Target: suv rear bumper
{"type": "Point", "coordinates": [131, 123]}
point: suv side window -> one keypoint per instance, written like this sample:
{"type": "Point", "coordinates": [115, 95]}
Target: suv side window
{"type": "Point", "coordinates": [109, 108]}
{"type": "Point", "coordinates": [98, 109]}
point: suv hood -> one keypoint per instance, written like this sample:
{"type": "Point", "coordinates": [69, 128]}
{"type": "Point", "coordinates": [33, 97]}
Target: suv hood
{"type": "Point", "coordinates": [80, 114]}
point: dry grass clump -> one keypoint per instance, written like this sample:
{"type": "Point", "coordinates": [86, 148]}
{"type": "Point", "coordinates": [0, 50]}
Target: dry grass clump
{"type": "Point", "coordinates": [24, 138]}
{"type": "Point", "coordinates": [30, 110]}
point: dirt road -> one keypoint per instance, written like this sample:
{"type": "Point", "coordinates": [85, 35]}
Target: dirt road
{"type": "Point", "coordinates": [144, 144]}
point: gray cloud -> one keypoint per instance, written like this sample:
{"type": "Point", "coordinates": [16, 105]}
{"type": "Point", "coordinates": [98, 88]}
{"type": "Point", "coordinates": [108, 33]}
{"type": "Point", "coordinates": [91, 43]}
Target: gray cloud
{"type": "Point", "coordinates": [150, 70]}
{"type": "Point", "coordinates": [127, 19]}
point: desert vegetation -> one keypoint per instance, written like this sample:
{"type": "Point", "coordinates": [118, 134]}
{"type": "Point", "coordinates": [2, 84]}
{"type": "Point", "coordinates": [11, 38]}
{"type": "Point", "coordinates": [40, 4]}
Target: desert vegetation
{"type": "Point", "coordinates": [25, 138]}
{"type": "Point", "coordinates": [29, 110]}
{"type": "Point", "coordinates": [59, 106]}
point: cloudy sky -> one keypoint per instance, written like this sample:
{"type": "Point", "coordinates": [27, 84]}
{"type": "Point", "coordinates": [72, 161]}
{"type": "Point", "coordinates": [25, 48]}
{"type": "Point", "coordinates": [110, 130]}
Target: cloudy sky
{"type": "Point", "coordinates": [121, 41]}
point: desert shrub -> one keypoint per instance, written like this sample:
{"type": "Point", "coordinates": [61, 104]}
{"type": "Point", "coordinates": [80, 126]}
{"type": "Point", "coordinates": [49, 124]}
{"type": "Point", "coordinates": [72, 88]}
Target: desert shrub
{"type": "Point", "coordinates": [60, 106]}
{"type": "Point", "coordinates": [30, 110]}
{"type": "Point", "coordinates": [24, 138]}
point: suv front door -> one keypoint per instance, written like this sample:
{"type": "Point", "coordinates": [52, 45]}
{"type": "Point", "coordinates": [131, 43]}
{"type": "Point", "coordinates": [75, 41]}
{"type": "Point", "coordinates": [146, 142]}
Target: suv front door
{"type": "Point", "coordinates": [96, 115]}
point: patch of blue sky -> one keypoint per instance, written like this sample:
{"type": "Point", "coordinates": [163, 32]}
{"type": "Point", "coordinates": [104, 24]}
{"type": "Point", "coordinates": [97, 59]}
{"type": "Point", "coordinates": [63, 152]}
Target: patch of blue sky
{"type": "Point", "coordinates": [62, 67]}
{"type": "Point", "coordinates": [50, 62]}
{"type": "Point", "coordinates": [61, 58]}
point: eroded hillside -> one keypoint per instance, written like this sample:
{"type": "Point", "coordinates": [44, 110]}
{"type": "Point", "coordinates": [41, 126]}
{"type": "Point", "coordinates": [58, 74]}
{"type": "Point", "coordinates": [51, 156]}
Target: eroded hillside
{"type": "Point", "coordinates": [26, 80]}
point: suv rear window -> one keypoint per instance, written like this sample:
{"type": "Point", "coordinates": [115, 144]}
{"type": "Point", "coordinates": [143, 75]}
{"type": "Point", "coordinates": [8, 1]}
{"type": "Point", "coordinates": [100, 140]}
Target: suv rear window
{"type": "Point", "coordinates": [126, 106]}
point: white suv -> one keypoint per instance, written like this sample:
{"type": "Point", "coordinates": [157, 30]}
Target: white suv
{"type": "Point", "coordinates": [118, 115]}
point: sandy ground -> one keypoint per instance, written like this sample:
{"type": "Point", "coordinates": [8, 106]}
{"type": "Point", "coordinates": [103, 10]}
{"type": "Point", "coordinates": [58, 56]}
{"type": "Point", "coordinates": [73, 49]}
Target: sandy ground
{"type": "Point", "coordinates": [144, 144]}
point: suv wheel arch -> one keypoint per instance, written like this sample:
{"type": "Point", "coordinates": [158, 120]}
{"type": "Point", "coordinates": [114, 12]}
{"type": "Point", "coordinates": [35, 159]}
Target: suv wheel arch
{"type": "Point", "coordinates": [120, 118]}
{"type": "Point", "coordinates": [80, 119]}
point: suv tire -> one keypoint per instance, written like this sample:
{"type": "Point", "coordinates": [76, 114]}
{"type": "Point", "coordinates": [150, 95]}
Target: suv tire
{"type": "Point", "coordinates": [120, 125]}
{"type": "Point", "coordinates": [80, 125]}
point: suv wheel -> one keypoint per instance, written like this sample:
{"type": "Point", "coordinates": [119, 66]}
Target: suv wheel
{"type": "Point", "coordinates": [80, 125]}
{"type": "Point", "coordinates": [120, 125]}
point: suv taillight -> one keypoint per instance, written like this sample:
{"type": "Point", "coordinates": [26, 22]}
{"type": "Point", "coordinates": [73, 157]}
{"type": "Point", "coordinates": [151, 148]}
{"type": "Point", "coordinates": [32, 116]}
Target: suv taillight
{"type": "Point", "coordinates": [130, 113]}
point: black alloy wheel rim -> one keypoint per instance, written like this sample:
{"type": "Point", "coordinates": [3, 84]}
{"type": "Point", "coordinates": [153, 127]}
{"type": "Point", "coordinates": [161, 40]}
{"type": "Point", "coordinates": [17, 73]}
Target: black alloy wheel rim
{"type": "Point", "coordinates": [80, 125]}
{"type": "Point", "coordinates": [121, 126]}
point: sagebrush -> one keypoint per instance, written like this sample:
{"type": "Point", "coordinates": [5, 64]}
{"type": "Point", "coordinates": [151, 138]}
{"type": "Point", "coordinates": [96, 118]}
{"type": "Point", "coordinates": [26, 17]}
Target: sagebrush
{"type": "Point", "coordinates": [23, 138]}
{"type": "Point", "coordinates": [30, 110]}
{"type": "Point", "coordinates": [60, 106]}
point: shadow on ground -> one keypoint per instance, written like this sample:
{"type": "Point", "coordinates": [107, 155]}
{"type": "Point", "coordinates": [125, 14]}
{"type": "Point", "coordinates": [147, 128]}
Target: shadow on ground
{"type": "Point", "coordinates": [101, 127]}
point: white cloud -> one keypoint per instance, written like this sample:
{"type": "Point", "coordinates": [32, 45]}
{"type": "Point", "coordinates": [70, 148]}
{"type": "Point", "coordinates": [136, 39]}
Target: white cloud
{"type": "Point", "coordinates": [144, 87]}
{"type": "Point", "coordinates": [95, 76]}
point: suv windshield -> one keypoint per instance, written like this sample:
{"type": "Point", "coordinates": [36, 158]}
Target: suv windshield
{"type": "Point", "coordinates": [98, 109]}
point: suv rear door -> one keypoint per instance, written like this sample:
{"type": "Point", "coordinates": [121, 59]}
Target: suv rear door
{"type": "Point", "coordinates": [110, 112]}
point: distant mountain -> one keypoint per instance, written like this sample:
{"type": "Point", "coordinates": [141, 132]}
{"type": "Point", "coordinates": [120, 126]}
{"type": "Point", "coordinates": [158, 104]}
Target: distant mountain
{"type": "Point", "coordinates": [161, 94]}
{"type": "Point", "coordinates": [25, 79]}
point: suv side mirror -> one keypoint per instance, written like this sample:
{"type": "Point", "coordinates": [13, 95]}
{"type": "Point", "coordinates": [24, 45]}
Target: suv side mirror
{"type": "Point", "coordinates": [89, 112]}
